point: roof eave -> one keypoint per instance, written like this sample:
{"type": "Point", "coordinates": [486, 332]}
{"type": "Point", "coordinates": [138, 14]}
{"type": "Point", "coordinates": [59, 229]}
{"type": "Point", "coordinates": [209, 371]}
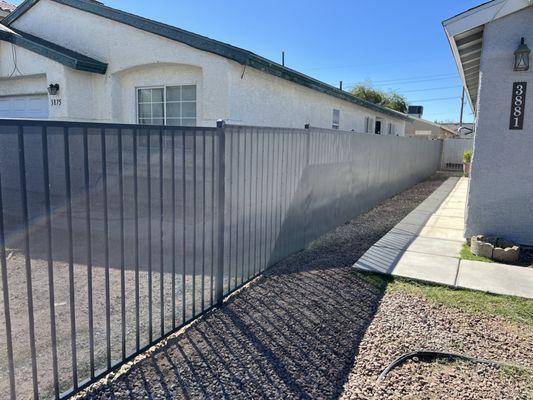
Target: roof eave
{"type": "Point", "coordinates": [203, 43]}
{"type": "Point", "coordinates": [459, 65]}
{"type": "Point", "coordinates": [69, 61]}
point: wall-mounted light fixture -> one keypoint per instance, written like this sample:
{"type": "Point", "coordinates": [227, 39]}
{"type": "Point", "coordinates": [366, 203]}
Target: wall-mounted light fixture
{"type": "Point", "coordinates": [521, 57]}
{"type": "Point", "coordinates": [53, 89]}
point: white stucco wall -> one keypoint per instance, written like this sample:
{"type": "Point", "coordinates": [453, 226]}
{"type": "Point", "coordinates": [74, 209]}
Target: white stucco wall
{"type": "Point", "coordinates": [31, 76]}
{"type": "Point", "coordinates": [501, 186]}
{"type": "Point", "coordinates": [268, 100]}
{"type": "Point", "coordinates": [137, 58]}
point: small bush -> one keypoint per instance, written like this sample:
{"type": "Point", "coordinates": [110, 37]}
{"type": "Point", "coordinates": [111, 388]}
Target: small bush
{"type": "Point", "coordinates": [467, 156]}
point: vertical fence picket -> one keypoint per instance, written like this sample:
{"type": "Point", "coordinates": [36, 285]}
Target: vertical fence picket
{"type": "Point", "coordinates": [149, 228]}
{"type": "Point", "coordinates": [103, 149]}
{"type": "Point", "coordinates": [261, 210]}
{"type": "Point", "coordinates": [161, 244]}
{"type": "Point", "coordinates": [202, 284]}
{"type": "Point", "coordinates": [213, 225]}
{"type": "Point", "coordinates": [49, 259]}
{"type": "Point", "coordinates": [136, 239]}
{"type": "Point", "coordinates": [237, 206]}
{"type": "Point", "coordinates": [87, 191]}
{"type": "Point", "coordinates": [27, 258]}
{"type": "Point", "coordinates": [5, 293]}
{"type": "Point", "coordinates": [250, 175]}
{"type": "Point", "coordinates": [221, 196]}
{"type": "Point", "coordinates": [243, 173]}
{"type": "Point", "coordinates": [194, 184]}
{"type": "Point", "coordinates": [184, 230]}
{"type": "Point", "coordinates": [230, 213]}
{"type": "Point", "coordinates": [173, 236]}
{"type": "Point", "coordinates": [72, 300]}
{"type": "Point", "coordinates": [256, 201]}
{"type": "Point", "coordinates": [121, 241]}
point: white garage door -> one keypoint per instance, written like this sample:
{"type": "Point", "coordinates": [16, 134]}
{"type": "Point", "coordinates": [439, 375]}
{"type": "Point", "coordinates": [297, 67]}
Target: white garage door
{"type": "Point", "coordinates": [24, 107]}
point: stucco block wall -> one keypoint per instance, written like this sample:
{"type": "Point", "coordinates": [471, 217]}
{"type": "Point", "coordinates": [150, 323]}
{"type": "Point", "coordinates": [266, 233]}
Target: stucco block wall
{"type": "Point", "coordinates": [501, 186]}
{"type": "Point", "coordinates": [138, 59]}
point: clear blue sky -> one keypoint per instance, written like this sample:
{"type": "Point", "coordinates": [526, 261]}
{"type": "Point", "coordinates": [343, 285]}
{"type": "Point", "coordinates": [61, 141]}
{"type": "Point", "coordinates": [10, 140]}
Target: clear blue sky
{"type": "Point", "coordinates": [395, 44]}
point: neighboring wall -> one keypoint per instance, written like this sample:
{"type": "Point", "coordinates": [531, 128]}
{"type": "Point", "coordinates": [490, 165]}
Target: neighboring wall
{"type": "Point", "coordinates": [501, 190]}
{"type": "Point", "coordinates": [452, 153]}
{"type": "Point", "coordinates": [225, 89]}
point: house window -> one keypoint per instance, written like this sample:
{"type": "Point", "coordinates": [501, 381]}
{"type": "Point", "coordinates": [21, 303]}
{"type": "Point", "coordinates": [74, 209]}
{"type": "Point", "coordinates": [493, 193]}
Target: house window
{"type": "Point", "coordinates": [369, 125]}
{"type": "Point", "coordinates": [336, 119]}
{"type": "Point", "coordinates": [377, 131]}
{"type": "Point", "coordinates": [392, 129]}
{"type": "Point", "coordinates": [167, 105]}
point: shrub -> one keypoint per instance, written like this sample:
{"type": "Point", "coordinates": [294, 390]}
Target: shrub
{"type": "Point", "coordinates": [467, 156]}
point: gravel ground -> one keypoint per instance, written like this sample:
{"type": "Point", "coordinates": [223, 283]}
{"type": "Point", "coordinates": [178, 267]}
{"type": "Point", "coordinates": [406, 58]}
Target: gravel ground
{"type": "Point", "coordinates": [406, 322]}
{"type": "Point", "coordinates": [19, 320]}
{"type": "Point", "coordinates": [293, 333]}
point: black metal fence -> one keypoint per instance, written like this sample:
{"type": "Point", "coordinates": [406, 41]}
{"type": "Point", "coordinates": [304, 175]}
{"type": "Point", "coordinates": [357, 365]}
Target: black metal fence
{"type": "Point", "coordinates": [114, 236]}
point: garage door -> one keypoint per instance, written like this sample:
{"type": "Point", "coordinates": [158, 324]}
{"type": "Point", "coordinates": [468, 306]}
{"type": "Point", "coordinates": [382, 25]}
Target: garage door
{"type": "Point", "coordinates": [24, 107]}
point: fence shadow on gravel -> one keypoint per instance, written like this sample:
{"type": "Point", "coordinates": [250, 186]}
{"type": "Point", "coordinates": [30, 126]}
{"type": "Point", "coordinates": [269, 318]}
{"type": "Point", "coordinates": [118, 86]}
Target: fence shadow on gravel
{"type": "Point", "coordinates": [295, 336]}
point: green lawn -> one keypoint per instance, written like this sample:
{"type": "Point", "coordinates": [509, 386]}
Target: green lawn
{"type": "Point", "coordinates": [466, 254]}
{"type": "Point", "coordinates": [514, 309]}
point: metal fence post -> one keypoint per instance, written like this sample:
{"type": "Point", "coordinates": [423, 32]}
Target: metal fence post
{"type": "Point", "coordinates": [219, 283]}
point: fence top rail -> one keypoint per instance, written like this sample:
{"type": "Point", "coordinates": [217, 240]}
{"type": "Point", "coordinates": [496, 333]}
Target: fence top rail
{"type": "Point", "coordinates": [278, 129]}
{"type": "Point", "coordinates": [266, 129]}
{"type": "Point", "coordinates": [100, 125]}
{"type": "Point", "coordinates": [231, 128]}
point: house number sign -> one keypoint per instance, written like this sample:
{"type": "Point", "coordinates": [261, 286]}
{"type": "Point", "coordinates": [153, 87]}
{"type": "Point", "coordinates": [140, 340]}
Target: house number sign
{"type": "Point", "coordinates": [518, 105]}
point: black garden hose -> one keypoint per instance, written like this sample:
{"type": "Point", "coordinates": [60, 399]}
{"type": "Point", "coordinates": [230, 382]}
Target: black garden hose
{"type": "Point", "coordinates": [431, 355]}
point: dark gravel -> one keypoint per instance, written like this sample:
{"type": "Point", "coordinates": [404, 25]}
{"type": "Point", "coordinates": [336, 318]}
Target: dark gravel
{"type": "Point", "coordinates": [293, 333]}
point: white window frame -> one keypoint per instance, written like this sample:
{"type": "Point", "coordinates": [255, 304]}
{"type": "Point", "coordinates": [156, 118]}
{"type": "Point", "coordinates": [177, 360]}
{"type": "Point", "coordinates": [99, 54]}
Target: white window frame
{"type": "Point", "coordinates": [335, 124]}
{"type": "Point", "coordinates": [369, 125]}
{"type": "Point", "coordinates": [164, 87]}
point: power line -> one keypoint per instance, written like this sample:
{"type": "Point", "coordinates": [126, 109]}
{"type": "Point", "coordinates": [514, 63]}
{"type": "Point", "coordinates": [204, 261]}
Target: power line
{"type": "Point", "coordinates": [414, 81]}
{"type": "Point", "coordinates": [430, 89]}
{"type": "Point", "coordinates": [415, 77]}
{"type": "Point", "coordinates": [406, 61]}
{"type": "Point", "coordinates": [419, 81]}
{"type": "Point", "coordinates": [434, 99]}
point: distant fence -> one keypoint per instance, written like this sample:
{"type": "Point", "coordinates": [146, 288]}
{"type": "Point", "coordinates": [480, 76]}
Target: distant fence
{"type": "Point", "coordinates": [452, 153]}
{"type": "Point", "coordinates": [114, 236]}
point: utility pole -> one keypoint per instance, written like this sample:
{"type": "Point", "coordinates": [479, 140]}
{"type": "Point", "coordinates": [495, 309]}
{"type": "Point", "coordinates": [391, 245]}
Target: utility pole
{"type": "Point", "coordinates": [462, 107]}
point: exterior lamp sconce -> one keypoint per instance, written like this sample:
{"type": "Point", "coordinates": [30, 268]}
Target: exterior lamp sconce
{"type": "Point", "coordinates": [53, 89]}
{"type": "Point", "coordinates": [521, 57]}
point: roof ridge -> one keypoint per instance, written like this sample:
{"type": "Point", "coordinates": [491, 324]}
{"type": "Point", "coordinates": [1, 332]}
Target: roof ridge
{"type": "Point", "coordinates": [204, 43]}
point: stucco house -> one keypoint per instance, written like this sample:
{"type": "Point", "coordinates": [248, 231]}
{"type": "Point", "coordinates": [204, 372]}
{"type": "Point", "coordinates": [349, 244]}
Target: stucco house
{"type": "Point", "coordinates": [103, 64]}
{"type": "Point", "coordinates": [420, 127]}
{"type": "Point", "coordinates": [489, 43]}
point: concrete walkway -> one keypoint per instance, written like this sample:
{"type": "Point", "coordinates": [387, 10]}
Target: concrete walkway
{"type": "Point", "coordinates": [426, 244]}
